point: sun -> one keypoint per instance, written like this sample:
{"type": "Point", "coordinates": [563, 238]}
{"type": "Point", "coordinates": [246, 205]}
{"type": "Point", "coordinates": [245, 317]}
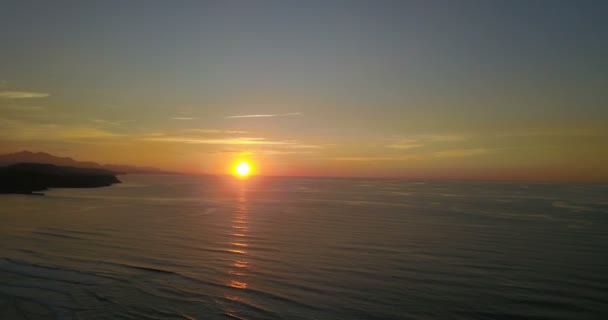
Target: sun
{"type": "Point", "coordinates": [242, 169]}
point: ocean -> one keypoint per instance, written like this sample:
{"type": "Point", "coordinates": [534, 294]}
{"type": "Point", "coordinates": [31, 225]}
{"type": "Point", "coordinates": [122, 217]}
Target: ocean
{"type": "Point", "coordinates": [197, 247]}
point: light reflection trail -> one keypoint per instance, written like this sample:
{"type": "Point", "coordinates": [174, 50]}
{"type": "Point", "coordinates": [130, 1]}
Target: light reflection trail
{"type": "Point", "coordinates": [237, 269]}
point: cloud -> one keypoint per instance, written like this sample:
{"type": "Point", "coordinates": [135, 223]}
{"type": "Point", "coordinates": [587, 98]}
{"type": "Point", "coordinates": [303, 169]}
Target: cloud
{"type": "Point", "coordinates": [253, 116]}
{"type": "Point", "coordinates": [265, 115]}
{"type": "Point", "coordinates": [197, 132]}
{"type": "Point", "coordinates": [84, 133]}
{"type": "Point", "coordinates": [241, 152]}
{"type": "Point", "coordinates": [223, 141]}
{"type": "Point", "coordinates": [112, 123]}
{"type": "Point", "coordinates": [405, 145]}
{"type": "Point", "coordinates": [554, 132]}
{"type": "Point", "coordinates": [232, 140]}
{"type": "Point", "coordinates": [281, 152]}
{"type": "Point", "coordinates": [203, 131]}
{"type": "Point", "coordinates": [442, 137]}
{"type": "Point", "coordinates": [20, 131]}
{"type": "Point", "coordinates": [102, 131]}
{"type": "Point", "coordinates": [422, 140]}
{"type": "Point", "coordinates": [459, 153]}
{"type": "Point", "coordinates": [372, 158]}
{"type": "Point", "coordinates": [183, 118]}
{"type": "Point", "coordinates": [306, 146]}
{"type": "Point", "coordinates": [456, 153]}
{"type": "Point", "coordinates": [22, 94]}
{"type": "Point", "coordinates": [21, 108]}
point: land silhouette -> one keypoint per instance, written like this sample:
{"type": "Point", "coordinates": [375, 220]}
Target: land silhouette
{"type": "Point", "coordinates": [29, 172]}
{"type": "Point", "coordinates": [43, 157]}
{"type": "Point", "coordinates": [29, 178]}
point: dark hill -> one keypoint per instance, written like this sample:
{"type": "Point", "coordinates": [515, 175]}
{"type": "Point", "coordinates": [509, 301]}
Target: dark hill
{"type": "Point", "coordinates": [43, 157]}
{"type": "Point", "coordinates": [31, 177]}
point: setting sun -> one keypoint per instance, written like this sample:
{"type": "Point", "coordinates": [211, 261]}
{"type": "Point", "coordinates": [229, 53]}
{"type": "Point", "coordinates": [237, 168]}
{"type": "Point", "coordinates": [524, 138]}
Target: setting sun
{"type": "Point", "coordinates": [242, 169]}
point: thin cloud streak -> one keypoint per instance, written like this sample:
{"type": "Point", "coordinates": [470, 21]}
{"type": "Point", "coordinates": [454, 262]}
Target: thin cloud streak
{"type": "Point", "coordinates": [264, 115]}
{"type": "Point", "coordinates": [459, 153]}
{"type": "Point", "coordinates": [183, 118]}
{"type": "Point", "coordinates": [21, 108]}
{"type": "Point", "coordinates": [225, 141]}
{"type": "Point", "coordinates": [405, 146]}
{"type": "Point", "coordinates": [418, 141]}
{"type": "Point", "coordinates": [452, 153]}
{"type": "Point", "coordinates": [555, 132]}
{"type": "Point", "coordinates": [194, 133]}
{"type": "Point", "coordinates": [307, 146]}
{"type": "Point", "coordinates": [365, 159]}
{"type": "Point", "coordinates": [22, 94]}
{"type": "Point", "coordinates": [111, 123]}
{"type": "Point", "coordinates": [15, 130]}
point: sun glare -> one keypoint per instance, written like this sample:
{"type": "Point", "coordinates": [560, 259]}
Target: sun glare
{"type": "Point", "coordinates": [242, 169]}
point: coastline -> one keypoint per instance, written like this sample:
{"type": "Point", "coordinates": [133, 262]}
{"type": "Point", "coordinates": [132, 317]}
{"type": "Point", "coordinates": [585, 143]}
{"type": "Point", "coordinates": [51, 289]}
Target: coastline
{"type": "Point", "coordinates": [32, 178]}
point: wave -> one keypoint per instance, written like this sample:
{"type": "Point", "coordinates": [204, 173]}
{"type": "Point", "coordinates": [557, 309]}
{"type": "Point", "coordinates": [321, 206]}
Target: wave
{"type": "Point", "coordinates": [311, 250]}
{"type": "Point", "coordinates": [56, 235]}
{"type": "Point", "coordinates": [47, 272]}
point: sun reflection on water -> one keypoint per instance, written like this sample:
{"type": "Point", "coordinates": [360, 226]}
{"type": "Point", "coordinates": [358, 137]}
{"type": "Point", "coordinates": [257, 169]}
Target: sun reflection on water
{"type": "Point", "coordinates": [238, 284]}
{"type": "Point", "coordinates": [237, 269]}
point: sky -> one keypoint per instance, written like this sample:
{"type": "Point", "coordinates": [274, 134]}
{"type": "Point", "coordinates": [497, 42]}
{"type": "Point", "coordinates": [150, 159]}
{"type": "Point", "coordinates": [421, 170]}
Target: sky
{"type": "Point", "coordinates": [415, 89]}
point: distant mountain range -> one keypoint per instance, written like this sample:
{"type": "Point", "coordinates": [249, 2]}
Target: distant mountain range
{"type": "Point", "coordinates": [45, 158]}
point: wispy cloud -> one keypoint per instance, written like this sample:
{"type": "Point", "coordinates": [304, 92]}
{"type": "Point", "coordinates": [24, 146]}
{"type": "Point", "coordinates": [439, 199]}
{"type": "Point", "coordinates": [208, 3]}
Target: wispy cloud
{"type": "Point", "coordinates": [282, 152]}
{"type": "Point", "coordinates": [7, 94]}
{"type": "Point", "coordinates": [307, 146]}
{"type": "Point", "coordinates": [373, 158]}
{"type": "Point", "coordinates": [20, 131]}
{"type": "Point", "coordinates": [21, 108]}
{"type": "Point", "coordinates": [258, 152]}
{"type": "Point", "coordinates": [235, 131]}
{"type": "Point", "coordinates": [405, 145]}
{"type": "Point", "coordinates": [554, 132]}
{"type": "Point", "coordinates": [111, 123]}
{"type": "Point", "coordinates": [223, 141]}
{"type": "Point", "coordinates": [184, 118]}
{"type": "Point", "coordinates": [421, 140]}
{"type": "Point", "coordinates": [253, 116]}
{"type": "Point", "coordinates": [265, 115]}
{"type": "Point", "coordinates": [460, 153]}
{"type": "Point", "coordinates": [455, 153]}
{"type": "Point", "coordinates": [84, 133]}
{"type": "Point", "coordinates": [197, 132]}
{"type": "Point", "coordinates": [443, 137]}
{"type": "Point", "coordinates": [231, 140]}
{"type": "Point", "coordinates": [107, 132]}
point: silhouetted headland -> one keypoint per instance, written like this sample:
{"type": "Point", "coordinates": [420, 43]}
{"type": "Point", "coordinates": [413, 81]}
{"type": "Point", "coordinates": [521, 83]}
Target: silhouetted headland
{"type": "Point", "coordinates": [43, 157]}
{"type": "Point", "coordinates": [28, 178]}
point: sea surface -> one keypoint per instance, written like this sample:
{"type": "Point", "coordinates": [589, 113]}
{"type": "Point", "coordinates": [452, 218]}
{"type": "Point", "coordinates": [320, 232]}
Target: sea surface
{"type": "Point", "coordinates": [185, 247]}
